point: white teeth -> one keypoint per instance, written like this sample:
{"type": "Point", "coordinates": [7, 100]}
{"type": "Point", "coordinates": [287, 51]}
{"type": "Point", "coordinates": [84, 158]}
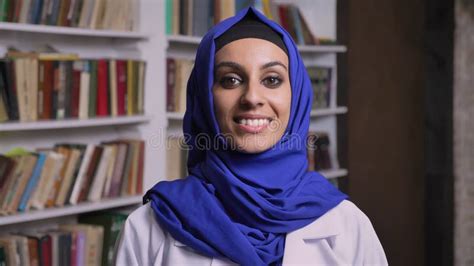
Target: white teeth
{"type": "Point", "coordinates": [254, 122]}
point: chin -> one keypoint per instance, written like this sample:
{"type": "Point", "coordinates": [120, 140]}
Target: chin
{"type": "Point", "coordinates": [253, 144]}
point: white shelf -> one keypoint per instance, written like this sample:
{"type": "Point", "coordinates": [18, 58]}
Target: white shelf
{"type": "Point", "coordinates": [32, 28]}
{"type": "Point", "coordinates": [329, 111]}
{"type": "Point", "coordinates": [183, 39]}
{"type": "Point", "coordinates": [315, 113]}
{"type": "Point", "coordinates": [73, 123]}
{"type": "Point", "coordinates": [174, 116]}
{"type": "Point", "coordinates": [193, 40]}
{"type": "Point", "coordinates": [335, 173]}
{"type": "Point", "coordinates": [36, 215]}
{"type": "Point", "coordinates": [322, 48]}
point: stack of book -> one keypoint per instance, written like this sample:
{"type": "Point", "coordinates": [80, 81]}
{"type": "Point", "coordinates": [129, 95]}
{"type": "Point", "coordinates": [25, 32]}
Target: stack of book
{"type": "Point", "coordinates": [68, 174]}
{"type": "Point", "coordinates": [37, 86]}
{"type": "Point", "coordinates": [91, 242]}
{"type": "Point", "coordinates": [321, 83]}
{"type": "Point", "coordinates": [318, 151]}
{"type": "Point", "coordinates": [194, 18]}
{"type": "Point", "coordinates": [177, 75]}
{"type": "Point", "coordinates": [119, 15]}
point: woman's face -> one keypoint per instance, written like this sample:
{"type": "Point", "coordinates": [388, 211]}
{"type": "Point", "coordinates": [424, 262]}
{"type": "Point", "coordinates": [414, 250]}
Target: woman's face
{"type": "Point", "coordinates": [252, 93]}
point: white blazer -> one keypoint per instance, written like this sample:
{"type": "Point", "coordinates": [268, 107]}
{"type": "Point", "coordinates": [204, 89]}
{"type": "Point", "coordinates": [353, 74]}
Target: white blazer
{"type": "Point", "coordinates": [342, 236]}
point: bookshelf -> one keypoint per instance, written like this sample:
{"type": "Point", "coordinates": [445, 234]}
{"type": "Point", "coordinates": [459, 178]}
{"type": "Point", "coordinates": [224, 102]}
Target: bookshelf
{"type": "Point", "coordinates": [80, 208]}
{"type": "Point", "coordinates": [57, 30]}
{"type": "Point", "coordinates": [321, 18]}
{"type": "Point", "coordinates": [74, 123]}
{"type": "Point", "coordinates": [145, 43]}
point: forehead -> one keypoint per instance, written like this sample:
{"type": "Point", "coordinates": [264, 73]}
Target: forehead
{"type": "Point", "coordinates": [251, 50]}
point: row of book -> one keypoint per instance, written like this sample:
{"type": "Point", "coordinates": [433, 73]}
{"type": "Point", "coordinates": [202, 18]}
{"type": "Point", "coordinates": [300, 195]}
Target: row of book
{"type": "Point", "coordinates": [177, 75]}
{"type": "Point", "coordinates": [69, 173]}
{"type": "Point", "coordinates": [318, 151]}
{"type": "Point", "coordinates": [321, 84]}
{"type": "Point", "coordinates": [94, 14]}
{"type": "Point", "coordinates": [90, 242]}
{"type": "Point", "coordinates": [195, 18]}
{"type": "Point", "coordinates": [39, 86]}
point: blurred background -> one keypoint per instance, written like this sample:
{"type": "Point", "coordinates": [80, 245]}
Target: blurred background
{"type": "Point", "coordinates": [100, 84]}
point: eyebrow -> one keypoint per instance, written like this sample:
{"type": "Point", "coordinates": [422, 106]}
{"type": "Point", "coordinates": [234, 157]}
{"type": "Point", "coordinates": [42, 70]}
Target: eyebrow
{"type": "Point", "coordinates": [239, 67]}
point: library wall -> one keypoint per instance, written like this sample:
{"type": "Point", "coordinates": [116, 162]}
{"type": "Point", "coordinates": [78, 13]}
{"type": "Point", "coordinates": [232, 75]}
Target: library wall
{"type": "Point", "coordinates": [385, 123]}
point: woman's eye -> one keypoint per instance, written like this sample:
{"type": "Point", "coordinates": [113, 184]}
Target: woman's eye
{"type": "Point", "coordinates": [272, 82]}
{"type": "Point", "coordinates": [229, 82]}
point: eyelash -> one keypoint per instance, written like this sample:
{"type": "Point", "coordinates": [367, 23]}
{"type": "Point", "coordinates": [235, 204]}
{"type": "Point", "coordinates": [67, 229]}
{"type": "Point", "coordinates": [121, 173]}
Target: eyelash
{"type": "Point", "coordinates": [278, 80]}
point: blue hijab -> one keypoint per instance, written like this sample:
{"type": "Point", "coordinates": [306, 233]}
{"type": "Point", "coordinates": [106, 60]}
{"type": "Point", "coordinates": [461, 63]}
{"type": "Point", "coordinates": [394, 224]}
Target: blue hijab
{"type": "Point", "coordinates": [240, 205]}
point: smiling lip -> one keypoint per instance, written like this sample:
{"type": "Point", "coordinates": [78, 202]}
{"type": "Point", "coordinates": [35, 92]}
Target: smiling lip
{"type": "Point", "coordinates": [252, 116]}
{"type": "Point", "coordinates": [252, 129]}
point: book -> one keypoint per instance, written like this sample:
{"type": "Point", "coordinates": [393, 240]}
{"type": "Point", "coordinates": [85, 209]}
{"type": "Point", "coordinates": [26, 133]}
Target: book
{"type": "Point", "coordinates": [4, 6]}
{"type": "Point", "coordinates": [84, 90]}
{"type": "Point", "coordinates": [79, 182]}
{"type": "Point", "coordinates": [97, 14]}
{"type": "Point", "coordinates": [68, 178]}
{"type": "Point", "coordinates": [112, 223]}
{"type": "Point", "coordinates": [23, 17]}
{"type": "Point", "coordinates": [140, 88]}
{"type": "Point", "coordinates": [68, 87]}
{"type": "Point", "coordinates": [102, 89]}
{"type": "Point", "coordinates": [10, 251]}
{"type": "Point", "coordinates": [75, 88]}
{"type": "Point", "coordinates": [78, 242]}
{"type": "Point", "coordinates": [14, 178]}
{"type": "Point", "coordinates": [170, 84]}
{"type": "Point", "coordinates": [85, 14]}
{"type": "Point", "coordinates": [89, 175]}
{"type": "Point", "coordinates": [8, 76]}
{"type": "Point", "coordinates": [98, 182]}
{"type": "Point", "coordinates": [32, 182]}
{"type": "Point", "coordinates": [130, 87]}
{"type": "Point", "coordinates": [93, 88]}
{"type": "Point", "coordinates": [110, 170]}
{"type": "Point", "coordinates": [318, 151]}
{"type": "Point", "coordinates": [22, 249]}
{"type": "Point", "coordinates": [49, 174]}
{"type": "Point", "coordinates": [121, 86]}
{"type": "Point", "coordinates": [113, 87]}
{"type": "Point", "coordinates": [321, 83]}
{"type": "Point", "coordinates": [114, 190]}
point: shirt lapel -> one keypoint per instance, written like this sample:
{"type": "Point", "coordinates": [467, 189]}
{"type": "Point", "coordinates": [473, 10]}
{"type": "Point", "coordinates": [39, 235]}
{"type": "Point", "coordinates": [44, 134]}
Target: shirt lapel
{"type": "Point", "coordinates": [310, 245]}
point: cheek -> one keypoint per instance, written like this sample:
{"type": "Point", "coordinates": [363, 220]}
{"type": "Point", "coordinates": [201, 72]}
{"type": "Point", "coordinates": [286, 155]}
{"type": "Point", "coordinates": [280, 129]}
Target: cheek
{"type": "Point", "coordinates": [282, 103]}
{"type": "Point", "coordinates": [223, 103]}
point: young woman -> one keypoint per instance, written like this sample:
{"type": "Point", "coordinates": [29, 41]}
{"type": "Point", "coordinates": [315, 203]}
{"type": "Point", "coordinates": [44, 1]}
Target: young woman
{"type": "Point", "coordinates": [249, 198]}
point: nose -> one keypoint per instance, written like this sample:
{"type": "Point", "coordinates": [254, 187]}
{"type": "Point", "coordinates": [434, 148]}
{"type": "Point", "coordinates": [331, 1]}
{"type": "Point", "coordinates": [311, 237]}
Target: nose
{"type": "Point", "coordinates": [252, 95]}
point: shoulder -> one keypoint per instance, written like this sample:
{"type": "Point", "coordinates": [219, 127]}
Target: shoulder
{"type": "Point", "coordinates": [348, 221]}
{"type": "Point", "coordinates": [345, 219]}
{"type": "Point", "coordinates": [349, 234]}
{"type": "Point", "coordinates": [142, 221]}
{"type": "Point", "coordinates": [141, 238]}
{"type": "Point", "coordinates": [357, 233]}
{"type": "Point", "coordinates": [350, 215]}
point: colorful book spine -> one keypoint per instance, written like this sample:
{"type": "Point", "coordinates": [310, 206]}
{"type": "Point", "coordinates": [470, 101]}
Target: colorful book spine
{"type": "Point", "coordinates": [32, 182]}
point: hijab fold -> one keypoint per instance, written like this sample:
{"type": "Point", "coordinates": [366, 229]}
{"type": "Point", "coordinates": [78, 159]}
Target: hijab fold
{"type": "Point", "coordinates": [239, 205]}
